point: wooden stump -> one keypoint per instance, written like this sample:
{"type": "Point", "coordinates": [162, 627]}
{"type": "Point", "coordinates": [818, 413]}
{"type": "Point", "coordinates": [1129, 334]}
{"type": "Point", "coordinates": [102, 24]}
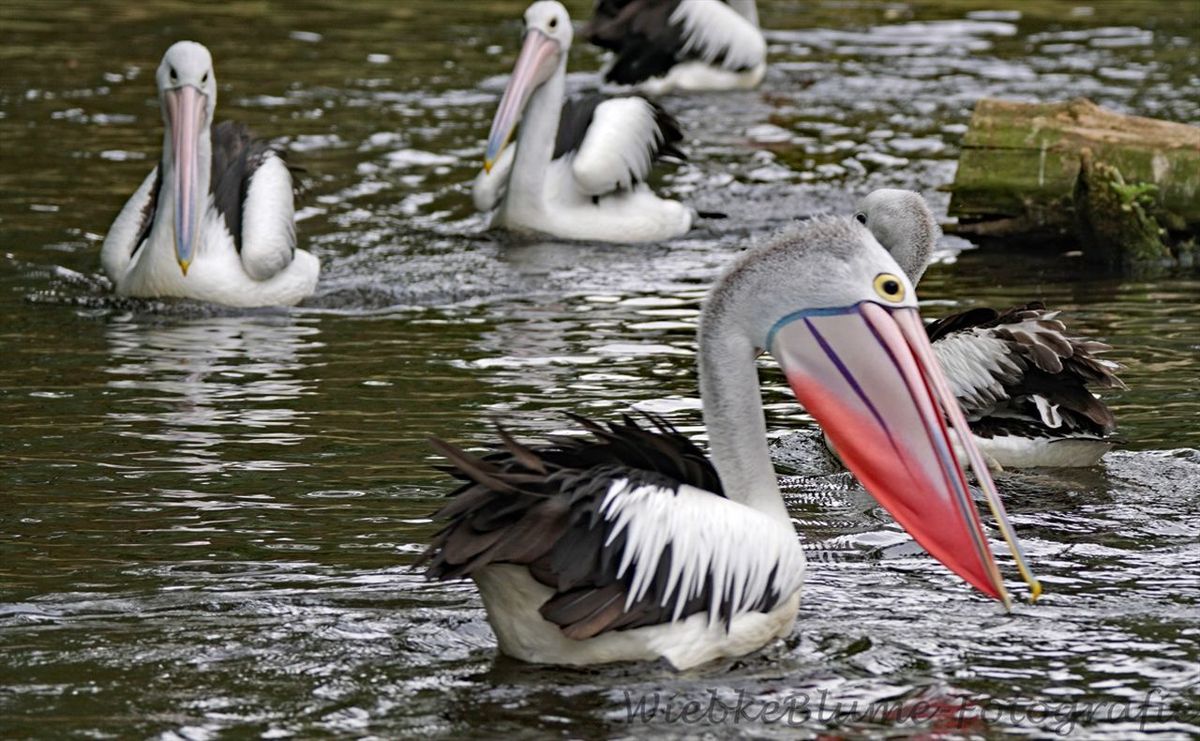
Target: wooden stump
{"type": "Point", "coordinates": [1122, 187]}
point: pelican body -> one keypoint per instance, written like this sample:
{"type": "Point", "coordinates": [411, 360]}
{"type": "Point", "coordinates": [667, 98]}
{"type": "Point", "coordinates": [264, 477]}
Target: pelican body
{"type": "Point", "coordinates": [661, 46]}
{"type": "Point", "coordinates": [631, 545]}
{"type": "Point", "coordinates": [578, 169]}
{"type": "Point", "coordinates": [214, 219]}
{"type": "Point", "coordinates": [1021, 377]}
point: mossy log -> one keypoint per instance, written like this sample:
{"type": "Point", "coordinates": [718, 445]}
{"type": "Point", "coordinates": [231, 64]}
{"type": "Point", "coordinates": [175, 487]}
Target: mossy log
{"type": "Point", "coordinates": [1057, 171]}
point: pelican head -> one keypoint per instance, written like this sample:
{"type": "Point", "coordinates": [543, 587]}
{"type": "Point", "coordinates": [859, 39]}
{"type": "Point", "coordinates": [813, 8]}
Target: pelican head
{"type": "Point", "coordinates": [902, 222]}
{"type": "Point", "coordinates": [839, 315]}
{"type": "Point", "coordinates": [187, 91]}
{"type": "Point", "coordinates": [548, 36]}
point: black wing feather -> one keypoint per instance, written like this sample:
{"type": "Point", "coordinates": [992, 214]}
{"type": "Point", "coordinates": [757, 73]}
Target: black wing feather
{"type": "Point", "coordinates": [640, 32]}
{"type": "Point", "coordinates": [539, 506]}
{"type": "Point", "coordinates": [149, 210]}
{"type": "Point", "coordinates": [577, 115]}
{"type": "Point", "coordinates": [1054, 366]}
{"type": "Point", "coordinates": [236, 155]}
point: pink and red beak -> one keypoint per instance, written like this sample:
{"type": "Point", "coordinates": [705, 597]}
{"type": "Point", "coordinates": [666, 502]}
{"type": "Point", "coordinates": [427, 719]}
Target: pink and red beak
{"type": "Point", "coordinates": [868, 375]}
{"type": "Point", "coordinates": [186, 109]}
{"type": "Point", "coordinates": [538, 60]}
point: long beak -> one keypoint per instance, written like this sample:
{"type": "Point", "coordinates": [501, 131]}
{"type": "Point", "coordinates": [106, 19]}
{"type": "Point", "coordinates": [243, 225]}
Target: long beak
{"type": "Point", "coordinates": [537, 61]}
{"type": "Point", "coordinates": [868, 375]}
{"type": "Point", "coordinates": [186, 112]}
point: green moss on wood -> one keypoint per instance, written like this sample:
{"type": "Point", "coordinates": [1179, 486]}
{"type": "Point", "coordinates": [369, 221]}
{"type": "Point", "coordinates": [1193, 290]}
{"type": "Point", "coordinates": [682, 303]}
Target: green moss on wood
{"type": "Point", "coordinates": [1115, 217]}
{"type": "Point", "coordinates": [1020, 170]}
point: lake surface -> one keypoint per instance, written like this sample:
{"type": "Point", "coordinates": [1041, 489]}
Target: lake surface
{"type": "Point", "coordinates": [208, 518]}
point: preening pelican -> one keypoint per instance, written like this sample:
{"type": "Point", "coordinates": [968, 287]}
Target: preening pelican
{"type": "Point", "coordinates": [576, 171]}
{"type": "Point", "coordinates": [1020, 377]}
{"type": "Point", "coordinates": [689, 45]}
{"type": "Point", "coordinates": [214, 220]}
{"type": "Point", "coordinates": [633, 546]}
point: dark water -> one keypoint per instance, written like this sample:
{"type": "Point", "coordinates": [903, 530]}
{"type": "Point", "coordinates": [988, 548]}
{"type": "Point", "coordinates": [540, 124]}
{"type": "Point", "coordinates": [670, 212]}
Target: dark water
{"type": "Point", "coordinates": [207, 517]}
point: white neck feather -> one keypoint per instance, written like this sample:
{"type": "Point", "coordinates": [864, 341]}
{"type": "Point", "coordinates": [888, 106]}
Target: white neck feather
{"type": "Point", "coordinates": [535, 142]}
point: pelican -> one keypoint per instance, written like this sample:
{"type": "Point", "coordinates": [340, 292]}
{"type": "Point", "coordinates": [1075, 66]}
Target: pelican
{"type": "Point", "coordinates": [631, 545]}
{"type": "Point", "coordinates": [576, 171]}
{"type": "Point", "coordinates": [689, 45]}
{"type": "Point", "coordinates": [1019, 376]}
{"type": "Point", "coordinates": [214, 219]}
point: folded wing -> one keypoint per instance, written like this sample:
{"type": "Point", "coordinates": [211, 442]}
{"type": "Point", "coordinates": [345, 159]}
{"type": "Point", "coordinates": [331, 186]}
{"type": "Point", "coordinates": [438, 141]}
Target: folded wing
{"type": "Point", "coordinates": [614, 529]}
{"type": "Point", "coordinates": [1021, 367]}
{"type": "Point", "coordinates": [613, 143]}
{"type": "Point", "coordinates": [649, 37]}
{"type": "Point", "coordinates": [252, 189]}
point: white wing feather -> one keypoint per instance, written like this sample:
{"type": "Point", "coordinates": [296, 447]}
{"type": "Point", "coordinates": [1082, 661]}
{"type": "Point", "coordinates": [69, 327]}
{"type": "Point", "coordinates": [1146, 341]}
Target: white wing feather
{"type": "Point", "coordinates": [122, 236]}
{"type": "Point", "coordinates": [714, 31]}
{"type": "Point", "coordinates": [618, 147]}
{"type": "Point", "coordinates": [973, 362]}
{"type": "Point", "coordinates": [746, 554]}
{"type": "Point", "coordinates": [268, 220]}
{"type": "Point", "coordinates": [984, 372]}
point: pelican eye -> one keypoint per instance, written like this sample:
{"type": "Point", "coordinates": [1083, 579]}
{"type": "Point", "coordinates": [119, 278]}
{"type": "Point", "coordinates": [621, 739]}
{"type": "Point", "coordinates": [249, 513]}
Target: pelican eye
{"type": "Point", "coordinates": [889, 287]}
{"type": "Point", "coordinates": [553, 23]}
{"type": "Point", "coordinates": [205, 78]}
{"type": "Point", "coordinates": [861, 217]}
{"type": "Point", "coordinates": [174, 75]}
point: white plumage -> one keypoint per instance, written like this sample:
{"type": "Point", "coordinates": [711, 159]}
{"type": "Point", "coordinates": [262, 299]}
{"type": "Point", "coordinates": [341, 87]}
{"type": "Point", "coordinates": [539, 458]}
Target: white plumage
{"type": "Point", "coordinates": [975, 361]}
{"type": "Point", "coordinates": [215, 220]}
{"type": "Point", "coordinates": [578, 169]}
{"type": "Point", "coordinates": [718, 35]}
{"type": "Point", "coordinates": [490, 186]}
{"type": "Point", "coordinates": [268, 220]}
{"type": "Point", "coordinates": [123, 235]}
{"type": "Point", "coordinates": [269, 271]}
{"type": "Point", "coordinates": [661, 46]}
{"type": "Point", "coordinates": [512, 598]}
{"type": "Point", "coordinates": [618, 149]}
{"type": "Point", "coordinates": [1026, 428]}
{"type": "Point", "coordinates": [707, 537]}
{"type": "Point", "coordinates": [624, 560]}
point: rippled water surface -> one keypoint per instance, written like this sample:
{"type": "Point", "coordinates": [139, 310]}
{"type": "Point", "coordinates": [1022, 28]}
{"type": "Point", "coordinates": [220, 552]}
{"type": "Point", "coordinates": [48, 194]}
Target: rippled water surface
{"type": "Point", "coordinates": [207, 518]}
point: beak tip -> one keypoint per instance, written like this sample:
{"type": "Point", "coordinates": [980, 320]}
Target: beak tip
{"type": "Point", "coordinates": [488, 165]}
{"type": "Point", "coordinates": [183, 265]}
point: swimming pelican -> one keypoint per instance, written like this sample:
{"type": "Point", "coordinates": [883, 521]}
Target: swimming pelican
{"type": "Point", "coordinates": [577, 171]}
{"type": "Point", "coordinates": [214, 220]}
{"type": "Point", "coordinates": [688, 45]}
{"type": "Point", "coordinates": [633, 546]}
{"type": "Point", "coordinates": [1020, 377]}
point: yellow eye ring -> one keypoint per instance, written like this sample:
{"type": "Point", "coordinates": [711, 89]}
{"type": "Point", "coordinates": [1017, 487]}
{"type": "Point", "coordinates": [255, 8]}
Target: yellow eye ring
{"type": "Point", "coordinates": [889, 287]}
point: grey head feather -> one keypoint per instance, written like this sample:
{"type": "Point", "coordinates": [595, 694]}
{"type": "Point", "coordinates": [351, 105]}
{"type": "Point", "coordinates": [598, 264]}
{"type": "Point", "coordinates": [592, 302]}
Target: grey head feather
{"type": "Point", "coordinates": [902, 222]}
{"type": "Point", "coordinates": [803, 264]}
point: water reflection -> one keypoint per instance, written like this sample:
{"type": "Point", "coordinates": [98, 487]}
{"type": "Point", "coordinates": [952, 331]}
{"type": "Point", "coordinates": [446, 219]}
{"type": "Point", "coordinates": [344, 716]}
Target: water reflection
{"type": "Point", "coordinates": [197, 389]}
